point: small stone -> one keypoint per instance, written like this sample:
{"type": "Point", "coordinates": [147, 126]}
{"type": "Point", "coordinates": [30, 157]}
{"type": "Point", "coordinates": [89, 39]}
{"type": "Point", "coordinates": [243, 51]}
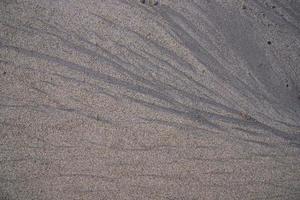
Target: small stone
{"type": "Point", "coordinates": [245, 116]}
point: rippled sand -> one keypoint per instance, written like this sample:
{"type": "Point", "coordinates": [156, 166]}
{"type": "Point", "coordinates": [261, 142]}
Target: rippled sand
{"type": "Point", "coordinates": [130, 99]}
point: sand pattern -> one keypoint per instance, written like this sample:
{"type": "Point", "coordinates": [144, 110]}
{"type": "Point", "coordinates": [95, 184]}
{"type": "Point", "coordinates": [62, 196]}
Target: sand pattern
{"type": "Point", "coordinates": [130, 99]}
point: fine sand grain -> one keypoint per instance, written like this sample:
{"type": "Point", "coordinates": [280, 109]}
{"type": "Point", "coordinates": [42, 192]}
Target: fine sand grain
{"type": "Point", "coordinates": [149, 100]}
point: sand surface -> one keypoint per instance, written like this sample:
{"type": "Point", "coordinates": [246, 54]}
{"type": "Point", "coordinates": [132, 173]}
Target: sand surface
{"type": "Point", "coordinates": [118, 99]}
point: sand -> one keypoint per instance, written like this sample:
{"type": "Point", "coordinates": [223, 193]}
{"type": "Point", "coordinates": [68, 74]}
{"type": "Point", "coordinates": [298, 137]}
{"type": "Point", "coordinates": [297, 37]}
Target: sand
{"type": "Point", "coordinates": [175, 100]}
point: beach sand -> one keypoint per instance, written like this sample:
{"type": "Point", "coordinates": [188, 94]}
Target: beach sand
{"type": "Point", "coordinates": [175, 100]}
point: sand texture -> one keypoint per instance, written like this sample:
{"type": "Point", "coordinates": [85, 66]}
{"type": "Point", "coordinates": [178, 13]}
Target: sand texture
{"type": "Point", "coordinates": [149, 100]}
